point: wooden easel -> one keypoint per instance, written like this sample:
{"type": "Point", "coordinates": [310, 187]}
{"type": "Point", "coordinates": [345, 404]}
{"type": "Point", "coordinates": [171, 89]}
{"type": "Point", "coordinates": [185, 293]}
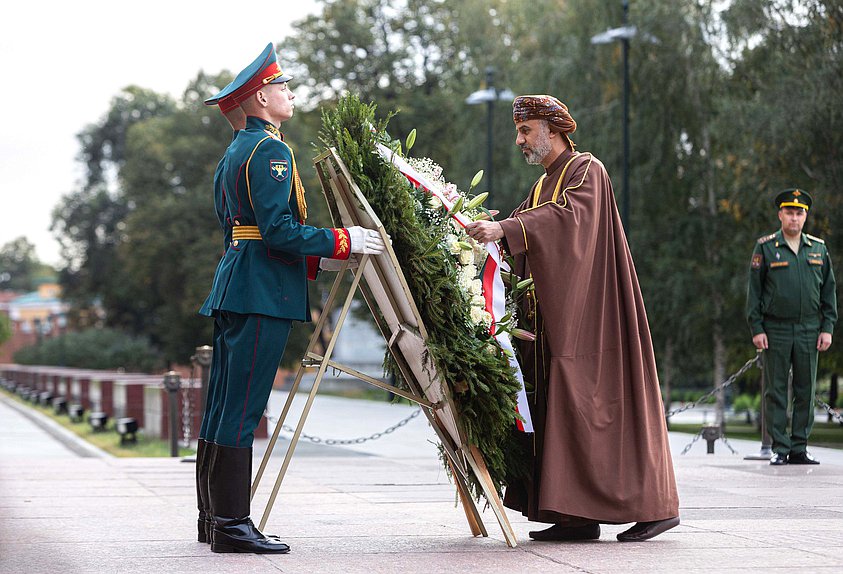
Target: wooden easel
{"type": "Point", "coordinates": [387, 295]}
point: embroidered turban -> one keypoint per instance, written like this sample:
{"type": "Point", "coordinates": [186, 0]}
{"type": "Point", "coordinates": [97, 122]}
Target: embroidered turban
{"type": "Point", "coordinates": [545, 108]}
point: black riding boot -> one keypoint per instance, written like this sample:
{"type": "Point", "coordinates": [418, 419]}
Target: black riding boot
{"type": "Point", "coordinates": [204, 453]}
{"type": "Point", "coordinates": [229, 482]}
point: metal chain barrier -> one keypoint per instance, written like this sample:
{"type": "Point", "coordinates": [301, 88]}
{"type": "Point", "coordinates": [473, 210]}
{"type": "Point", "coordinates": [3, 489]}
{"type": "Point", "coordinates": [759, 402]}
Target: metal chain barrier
{"type": "Point", "coordinates": [718, 388]}
{"type": "Point", "coordinates": [726, 442]}
{"type": "Point", "coordinates": [341, 442]}
{"type": "Point", "coordinates": [706, 397]}
{"type": "Point", "coordinates": [838, 418]}
{"type": "Point", "coordinates": [690, 444]}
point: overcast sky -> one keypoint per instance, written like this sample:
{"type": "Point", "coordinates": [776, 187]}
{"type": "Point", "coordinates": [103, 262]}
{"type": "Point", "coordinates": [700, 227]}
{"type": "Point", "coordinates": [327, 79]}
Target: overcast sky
{"type": "Point", "coordinates": [62, 62]}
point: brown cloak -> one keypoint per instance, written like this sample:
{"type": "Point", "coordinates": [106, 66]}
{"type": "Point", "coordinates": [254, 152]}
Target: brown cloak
{"type": "Point", "coordinates": [601, 446]}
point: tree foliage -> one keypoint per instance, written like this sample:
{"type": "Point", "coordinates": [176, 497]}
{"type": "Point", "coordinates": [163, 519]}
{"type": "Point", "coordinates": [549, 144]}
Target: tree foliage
{"type": "Point", "coordinates": [20, 268]}
{"type": "Point", "coordinates": [730, 102]}
{"type": "Point", "coordinates": [94, 349]}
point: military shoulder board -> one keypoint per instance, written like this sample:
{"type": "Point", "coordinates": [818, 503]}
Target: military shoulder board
{"type": "Point", "coordinates": [817, 239]}
{"type": "Point", "coordinates": [766, 238]}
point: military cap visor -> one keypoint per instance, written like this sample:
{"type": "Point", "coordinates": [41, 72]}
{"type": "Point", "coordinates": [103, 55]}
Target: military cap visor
{"type": "Point", "coordinates": [263, 70]}
{"type": "Point", "coordinates": [794, 198]}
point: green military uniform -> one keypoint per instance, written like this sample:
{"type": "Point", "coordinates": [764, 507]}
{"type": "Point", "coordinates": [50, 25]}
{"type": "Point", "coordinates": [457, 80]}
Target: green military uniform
{"type": "Point", "coordinates": [259, 289]}
{"type": "Point", "coordinates": [261, 278]}
{"type": "Point", "coordinates": [791, 298]}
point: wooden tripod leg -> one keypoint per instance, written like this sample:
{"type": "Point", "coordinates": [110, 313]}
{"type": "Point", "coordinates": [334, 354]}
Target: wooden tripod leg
{"type": "Point", "coordinates": [314, 338]}
{"type": "Point", "coordinates": [468, 505]}
{"type": "Point", "coordinates": [478, 465]}
{"type": "Point", "coordinates": [323, 365]}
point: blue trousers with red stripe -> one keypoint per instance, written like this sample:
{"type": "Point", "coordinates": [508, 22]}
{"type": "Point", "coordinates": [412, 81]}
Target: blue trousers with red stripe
{"type": "Point", "coordinates": [247, 350]}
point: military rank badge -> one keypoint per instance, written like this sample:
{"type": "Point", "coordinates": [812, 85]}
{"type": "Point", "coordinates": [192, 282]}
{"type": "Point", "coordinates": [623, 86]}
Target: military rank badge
{"type": "Point", "coordinates": [756, 261]}
{"type": "Point", "coordinates": [279, 169]}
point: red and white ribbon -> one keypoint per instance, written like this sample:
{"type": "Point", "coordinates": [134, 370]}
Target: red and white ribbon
{"type": "Point", "coordinates": [493, 289]}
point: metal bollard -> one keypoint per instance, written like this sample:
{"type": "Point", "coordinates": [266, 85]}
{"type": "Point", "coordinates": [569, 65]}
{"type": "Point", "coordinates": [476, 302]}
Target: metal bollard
{"type": "Point", "coordinates": [203, 358]}
{"type": "Point", "coordinates": [172, 382]}
{"type": "Point", "coordinates": [710, 433]}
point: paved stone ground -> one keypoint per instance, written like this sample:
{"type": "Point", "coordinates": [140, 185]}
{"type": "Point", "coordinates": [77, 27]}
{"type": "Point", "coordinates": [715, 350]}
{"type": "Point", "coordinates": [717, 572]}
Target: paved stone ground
{"type": "Point", "coordinates": [386, 506]}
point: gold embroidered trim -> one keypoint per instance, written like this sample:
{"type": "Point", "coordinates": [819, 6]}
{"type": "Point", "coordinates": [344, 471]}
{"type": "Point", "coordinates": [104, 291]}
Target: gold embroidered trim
{"type": "Point", "coordinates": [537, 190]}
{"type": "Point", "coordinates": [246, 232]}
{"type": "Point", "coordinates": [524, 231]}
{"type": "Point", "coordinates": [248, 161]}
{"type": "Point", "coordinates": [559, 184]}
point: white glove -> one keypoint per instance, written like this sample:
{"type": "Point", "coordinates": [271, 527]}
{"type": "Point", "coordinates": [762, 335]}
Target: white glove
{"type": "Point", "coordinates": [365, 241]}
{"type": "Point", "coordinates": [326, 264]}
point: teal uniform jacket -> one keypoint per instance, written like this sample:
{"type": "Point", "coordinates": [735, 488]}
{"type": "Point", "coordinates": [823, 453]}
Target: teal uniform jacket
{"type": "Point", "coordinates": [254, 193]}
{"type": "Point", "coordinates": [789, 287]}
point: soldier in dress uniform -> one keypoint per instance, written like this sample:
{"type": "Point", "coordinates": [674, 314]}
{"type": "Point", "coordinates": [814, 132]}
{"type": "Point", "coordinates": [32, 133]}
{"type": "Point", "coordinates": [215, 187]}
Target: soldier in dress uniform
{"type": "Point", "coordinates": [259, 289]}
{"type": "Point", "coordinates": [791, 307]}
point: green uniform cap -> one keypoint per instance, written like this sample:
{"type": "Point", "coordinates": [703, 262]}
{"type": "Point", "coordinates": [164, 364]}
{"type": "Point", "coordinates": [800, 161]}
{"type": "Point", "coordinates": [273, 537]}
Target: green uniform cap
{"type": "Point", "coordinates": [794, 198]}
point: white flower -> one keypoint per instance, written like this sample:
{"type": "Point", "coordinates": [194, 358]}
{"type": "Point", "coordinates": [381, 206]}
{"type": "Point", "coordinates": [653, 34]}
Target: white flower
{"type": "Point", "coordinates": [477, 300]}
{"type": "Point", "coordinates": [486, 318]}
{"type": "Point", "coordinates": [465, 282]}
{"type": "Point", "coordinates": [451, 243]}
{"type": "Point", "coordinates": [435, 202]}
{"type": "Point", "coordinates": [477, 315]}
{"type": "Point", "coordinates": [469, 272]}
{"type": "Point", "coordinates": [466, 257]}
{"type": "Point", "coordinates": [476, 287]}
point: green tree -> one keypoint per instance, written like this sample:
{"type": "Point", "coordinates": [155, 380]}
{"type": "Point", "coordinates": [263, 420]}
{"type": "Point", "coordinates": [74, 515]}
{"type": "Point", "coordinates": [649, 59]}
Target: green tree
{"type": "Point", "coordinates": [5, 328]}
{"type": "Point", "coordinates": [20, 268]}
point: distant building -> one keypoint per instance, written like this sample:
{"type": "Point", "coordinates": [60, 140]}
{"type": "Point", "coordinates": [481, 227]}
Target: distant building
{"type": "Point", "coordinates": [33, 316]}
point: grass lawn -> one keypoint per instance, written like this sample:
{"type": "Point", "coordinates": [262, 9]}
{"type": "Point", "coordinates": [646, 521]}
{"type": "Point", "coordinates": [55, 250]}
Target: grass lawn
{"type": "Point", "coordinates": [108, 439]}
{"type": "Point", "coordinates": [824, 434]}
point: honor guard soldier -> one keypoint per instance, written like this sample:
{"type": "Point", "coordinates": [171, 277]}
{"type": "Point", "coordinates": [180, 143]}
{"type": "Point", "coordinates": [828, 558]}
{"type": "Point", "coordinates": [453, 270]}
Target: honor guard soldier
{"type": "Point", "coordinates": [259, 289]}
{"type": "Point", "coordinates": [791, 307]}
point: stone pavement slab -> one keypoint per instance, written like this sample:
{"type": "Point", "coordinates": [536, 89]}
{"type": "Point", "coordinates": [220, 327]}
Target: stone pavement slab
{"type": "Point", "coordinates": [387, 506]}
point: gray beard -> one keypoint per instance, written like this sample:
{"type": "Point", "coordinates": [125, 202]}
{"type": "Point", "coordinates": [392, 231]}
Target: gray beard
{"type": "Point", "coordinates": [535, 155]}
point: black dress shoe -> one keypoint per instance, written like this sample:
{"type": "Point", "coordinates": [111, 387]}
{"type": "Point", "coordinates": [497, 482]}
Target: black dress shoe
{"type": "Point", "coordinates": [778, 459]}
{"type": "Point", "coordinates": [646, 530]}
{"type": "Point", "coordinates": [240, 535]}
{"type": "Point", "coordinates": [560, 532]}
{"type": "Point", "coordinates": [801, 458]}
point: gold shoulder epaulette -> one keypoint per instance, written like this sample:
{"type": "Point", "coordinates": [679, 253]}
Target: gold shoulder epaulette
{"type": "Point", "coordinates": [817, 239]}
{"type": "Point", "coordinates": [765, 239]}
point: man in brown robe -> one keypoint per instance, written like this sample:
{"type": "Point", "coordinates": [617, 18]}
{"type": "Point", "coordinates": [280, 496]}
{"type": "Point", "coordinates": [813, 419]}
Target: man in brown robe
{"type": "Point", "coordinates": [601, 446]}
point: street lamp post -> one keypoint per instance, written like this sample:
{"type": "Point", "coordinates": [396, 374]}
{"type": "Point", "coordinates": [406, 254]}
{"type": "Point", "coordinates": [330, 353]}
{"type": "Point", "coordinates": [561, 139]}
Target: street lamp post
{"type": "Point", "coordinates": [623, 34]}
{"type": "Point", "coordinates": [488, 96]}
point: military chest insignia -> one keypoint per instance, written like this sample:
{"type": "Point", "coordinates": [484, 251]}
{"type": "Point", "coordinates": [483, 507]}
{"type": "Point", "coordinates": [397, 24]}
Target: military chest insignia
{"type": "Point", "coordinates": [279, 169]}
{"type": "Point", "coordinates": [775, 264]}
{"type": "Point", "coordinates": [815, 261]}
{"type": "Point", "coordinates": [778, 256]}
{"type": "Point", "coordinates": [756, 261]}
{"type": "Point", "coordinates": [815, 255]}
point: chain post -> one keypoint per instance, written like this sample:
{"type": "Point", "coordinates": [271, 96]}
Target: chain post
{"type": "Point", "coordinates": [203, 356]}
{"type": "Point", "coordinates": [172, 382]}
{"type": "Point", "coordinates": [187, 410]}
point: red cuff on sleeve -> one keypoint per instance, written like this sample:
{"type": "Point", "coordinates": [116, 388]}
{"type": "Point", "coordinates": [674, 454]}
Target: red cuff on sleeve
{"type": "Point", "coordinates": [342, 244]}
{"type": "Point", "coordinates": [312, 267]}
